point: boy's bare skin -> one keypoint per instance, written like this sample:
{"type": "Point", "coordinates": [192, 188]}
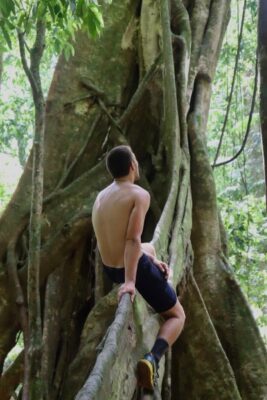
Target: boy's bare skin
{"type": "Point", "coordinates": [118, 219]}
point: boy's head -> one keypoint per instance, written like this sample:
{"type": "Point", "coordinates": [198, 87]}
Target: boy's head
{"type": "Point", "coordinates": [121, 161]}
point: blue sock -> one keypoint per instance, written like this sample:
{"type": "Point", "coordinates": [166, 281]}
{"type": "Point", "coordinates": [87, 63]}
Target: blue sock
{"type": "Point", "coordinates": [159, 348]}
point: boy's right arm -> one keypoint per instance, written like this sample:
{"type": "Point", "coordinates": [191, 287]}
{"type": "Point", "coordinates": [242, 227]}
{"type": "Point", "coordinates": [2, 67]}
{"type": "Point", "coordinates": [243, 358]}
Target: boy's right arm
{"type": "Point", "coordinates": [132, 250]}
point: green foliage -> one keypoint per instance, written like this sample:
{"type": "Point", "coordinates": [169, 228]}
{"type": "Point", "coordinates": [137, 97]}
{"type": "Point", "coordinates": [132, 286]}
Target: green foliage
{"type": "Point", "coordinates": [16, 104]}
{"type": "Point", "coordinates": [3, 196]}
{"type": "Point", "coordinates": [240, 184]}
{"type": "Point", "coordinates": [62, 18]}
{"type": "Point", "coordinates": [9, 174]}
{"type": "Point", "coordinates": [15, 126]}
{"type": "Point", "coordinates": [241, 103]}
{"type": "Point", "coordinates": [16, 110]}
{"type": "Point", "coordinates": [246, 224]}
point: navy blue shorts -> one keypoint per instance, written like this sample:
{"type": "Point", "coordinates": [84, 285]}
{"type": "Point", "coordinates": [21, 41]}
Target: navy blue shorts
{"type": "Point", "coordinates": [150, 283]}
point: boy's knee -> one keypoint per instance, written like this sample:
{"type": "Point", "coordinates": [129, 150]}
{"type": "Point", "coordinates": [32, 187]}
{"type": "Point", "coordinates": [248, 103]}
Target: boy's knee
{"type": "Point", "coordinates": [176, 312]}
{"type": "Point", "coordinates": [181, 315]}
{"type": "Point", "coordinates": [179, 312]}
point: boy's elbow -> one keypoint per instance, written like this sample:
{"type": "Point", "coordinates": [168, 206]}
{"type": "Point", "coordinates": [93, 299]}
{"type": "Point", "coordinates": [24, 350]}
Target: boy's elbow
{"type": "Point", "coordinates": [134, 240]}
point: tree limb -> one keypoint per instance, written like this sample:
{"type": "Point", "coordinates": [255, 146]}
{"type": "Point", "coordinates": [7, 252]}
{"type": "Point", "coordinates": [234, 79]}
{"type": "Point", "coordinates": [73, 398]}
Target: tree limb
{"type": "Point", "coordinates": [25, 63]}
{"type": "Point", "coordinates": [74, 162]}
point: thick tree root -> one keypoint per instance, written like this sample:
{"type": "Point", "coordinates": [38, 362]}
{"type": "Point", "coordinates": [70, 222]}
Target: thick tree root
{"type": "Point", "coordinates": [199, 362]}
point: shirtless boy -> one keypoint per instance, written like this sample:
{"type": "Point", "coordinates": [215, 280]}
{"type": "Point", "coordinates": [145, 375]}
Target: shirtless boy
{"type": "Point", "coordinates": [118, 219]}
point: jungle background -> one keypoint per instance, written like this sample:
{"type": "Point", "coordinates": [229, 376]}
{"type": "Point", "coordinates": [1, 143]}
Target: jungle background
{"type": "Point", "coordinates": [240, 184]}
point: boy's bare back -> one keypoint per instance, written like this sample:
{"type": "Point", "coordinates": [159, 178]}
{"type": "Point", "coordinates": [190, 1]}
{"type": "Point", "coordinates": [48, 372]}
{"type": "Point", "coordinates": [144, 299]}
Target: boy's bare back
{"type": "Point", "coordinates": [111, 213]}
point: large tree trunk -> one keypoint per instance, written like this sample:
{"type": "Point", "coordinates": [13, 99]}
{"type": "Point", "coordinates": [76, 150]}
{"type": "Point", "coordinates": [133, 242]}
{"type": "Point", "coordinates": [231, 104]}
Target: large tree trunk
{"type": "Point", "coordinates": [145, 82]}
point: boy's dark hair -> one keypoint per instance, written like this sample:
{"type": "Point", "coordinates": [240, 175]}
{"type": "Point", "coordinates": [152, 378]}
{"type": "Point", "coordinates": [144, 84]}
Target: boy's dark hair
{"type": "Point", "coordinates": [118, 161]}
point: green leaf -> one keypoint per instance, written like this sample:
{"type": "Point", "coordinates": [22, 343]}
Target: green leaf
{"type": "Point", "coordinates": [79, 8]}
{"type": "Point", "coordinates": [21, 20]}
{"type": "Point", "coordinates": [6, 34]}
{"type": "Point", "coordinates": [34, 10]}
{"type": "Point", "coordinates": [7, 6]}
{"type": "Point", "coordinates": [9, 24]}
{"type": "Point", "coordinates": [68, 50]}
{"type": "Point", "coordinates": [42, 8]}
{"type": "Point", "coordinates": [94, 21]}
{"type": "Point", "coordinates": [3, 48]}
{"type": "Point", "coordinates": [52, 11]}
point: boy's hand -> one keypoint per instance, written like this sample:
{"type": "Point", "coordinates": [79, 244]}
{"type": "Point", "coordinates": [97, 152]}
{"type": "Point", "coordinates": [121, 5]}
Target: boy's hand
{"type": "Point", "coordinates": [128, 287]}
{"type": "Point", "coordinates": [161, 265]}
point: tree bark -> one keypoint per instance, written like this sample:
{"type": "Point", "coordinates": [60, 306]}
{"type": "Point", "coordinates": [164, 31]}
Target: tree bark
{"type": "Point", "coordinates": [145, 82]}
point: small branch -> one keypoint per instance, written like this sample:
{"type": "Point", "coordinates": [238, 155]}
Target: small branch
{"type": "Point", "coordinates": [248, 124]}
{"type": "Point", "coordinates": [27, 46]}
{"type": "Point", "coordinates": [114, 122]}
{"type": "Point", "coordinates": [36, 54]}
{"type": "Point", "coordinates": [82, 178]}
{"type": "Point", "coordinates": [25, 65]}
{"type": "Point", "coordinates": [100, 96]}
{"type": "Point", "coordinates": [76, 159]}
{"type": "Point", "coordinates": [77, 99]}
{"type": "Point", "coordinates": [95, 90]}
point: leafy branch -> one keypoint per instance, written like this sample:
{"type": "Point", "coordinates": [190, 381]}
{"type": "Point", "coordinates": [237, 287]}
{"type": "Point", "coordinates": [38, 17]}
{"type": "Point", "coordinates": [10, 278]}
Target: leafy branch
{"type": "Point", "coordinates": [62, 19]}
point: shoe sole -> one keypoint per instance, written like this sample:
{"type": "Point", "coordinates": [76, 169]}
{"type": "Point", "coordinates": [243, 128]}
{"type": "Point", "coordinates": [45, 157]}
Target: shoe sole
{"type": "Point", "coordinates": [145, 374]}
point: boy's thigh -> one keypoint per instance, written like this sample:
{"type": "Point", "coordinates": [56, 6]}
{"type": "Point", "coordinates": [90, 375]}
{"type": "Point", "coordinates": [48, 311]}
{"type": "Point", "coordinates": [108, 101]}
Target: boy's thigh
{"type": "Point", "coordinates": [153, 286]}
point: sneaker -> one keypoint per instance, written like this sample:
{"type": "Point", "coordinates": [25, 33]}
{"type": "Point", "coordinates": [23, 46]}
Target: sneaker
{"type": "Point", "coordinates": [147, 371]}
